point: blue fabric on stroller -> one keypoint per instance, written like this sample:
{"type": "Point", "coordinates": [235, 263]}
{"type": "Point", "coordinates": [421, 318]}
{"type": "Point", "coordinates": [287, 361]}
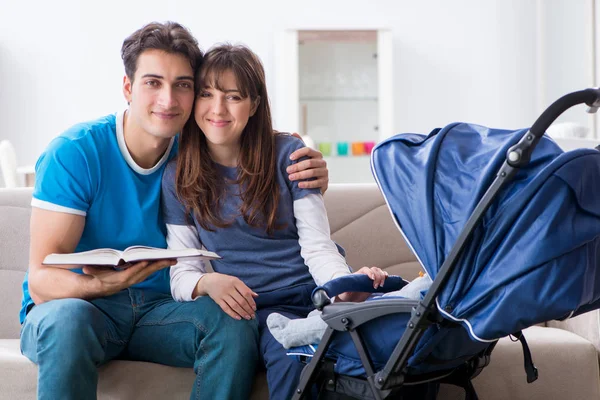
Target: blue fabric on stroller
{"type": "Point", "coordinates": [441, 348]}
{"type": "Point", "coordinates": [533, 257]}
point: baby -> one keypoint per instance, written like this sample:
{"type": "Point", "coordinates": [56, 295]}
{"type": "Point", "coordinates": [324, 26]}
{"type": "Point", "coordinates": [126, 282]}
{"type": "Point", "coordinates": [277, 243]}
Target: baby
{"type": "Point", "coordinates": [310, 330]}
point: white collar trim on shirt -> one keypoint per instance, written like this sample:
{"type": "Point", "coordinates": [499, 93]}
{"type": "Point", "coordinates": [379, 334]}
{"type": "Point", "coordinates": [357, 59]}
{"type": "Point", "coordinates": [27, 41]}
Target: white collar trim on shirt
{"type": "Point", "coordinates": [125, 152]}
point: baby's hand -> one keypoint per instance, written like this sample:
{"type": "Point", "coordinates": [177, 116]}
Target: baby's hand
{"type": "Point", "coordinates": [377, 275]}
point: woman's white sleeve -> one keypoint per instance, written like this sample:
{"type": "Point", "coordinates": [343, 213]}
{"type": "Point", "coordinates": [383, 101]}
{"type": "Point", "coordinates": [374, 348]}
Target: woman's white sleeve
{"type": "Point", "coordinates": [185, 274]}
{"type": "Point", "coordinates": [319, 252]}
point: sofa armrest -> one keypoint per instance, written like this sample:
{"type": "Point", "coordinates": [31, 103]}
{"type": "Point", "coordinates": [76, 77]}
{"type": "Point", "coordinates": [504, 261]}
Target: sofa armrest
{"type": "Point", "coordinates": [585, 325]}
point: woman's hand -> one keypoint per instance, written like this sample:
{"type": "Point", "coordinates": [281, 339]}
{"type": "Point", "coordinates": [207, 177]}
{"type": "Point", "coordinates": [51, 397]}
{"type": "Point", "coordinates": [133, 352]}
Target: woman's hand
{"type": "Point", "coordinates": [230, 293]}
{"type": "Point", "coordinates": [377, 275]}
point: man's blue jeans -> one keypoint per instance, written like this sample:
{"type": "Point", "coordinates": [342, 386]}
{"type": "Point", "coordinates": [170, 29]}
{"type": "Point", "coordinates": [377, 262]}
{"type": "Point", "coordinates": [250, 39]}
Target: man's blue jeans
{"type": "Point", "coordinates": [70, 338]}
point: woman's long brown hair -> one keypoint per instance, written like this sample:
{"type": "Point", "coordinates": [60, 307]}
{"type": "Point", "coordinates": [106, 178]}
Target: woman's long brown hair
{"type": "Point", "coordinates": [199, 184]}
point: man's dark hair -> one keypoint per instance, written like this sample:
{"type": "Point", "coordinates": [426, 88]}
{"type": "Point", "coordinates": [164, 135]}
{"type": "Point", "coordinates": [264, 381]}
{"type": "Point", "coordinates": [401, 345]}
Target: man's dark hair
{"type": "Point", "coordinates": [169, 37]}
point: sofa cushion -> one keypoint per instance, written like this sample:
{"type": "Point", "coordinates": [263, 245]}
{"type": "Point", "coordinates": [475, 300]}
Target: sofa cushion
{"type": "Point", "coordinates": [16, 197]}
{"type": "Point", "coordinates": [567, 366]}
{"type": "Point", "coordinates": [586, 325]}
{"type": "Point", "coordinates": [14, 237]}
{"type": "Point", "coordinates": [19, 375]}
{"type": "Point", "coordinates": [365, 229]}
{"type": "Point", "coordinates": [14, 255]}
{"type": "Point", "coordinates": [10, 300]}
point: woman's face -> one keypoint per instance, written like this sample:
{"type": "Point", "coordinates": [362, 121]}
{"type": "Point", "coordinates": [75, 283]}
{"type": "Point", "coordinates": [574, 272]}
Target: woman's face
{"type": "Point", "coordinates": [223, 115]}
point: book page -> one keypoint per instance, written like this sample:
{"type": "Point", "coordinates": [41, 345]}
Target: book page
{"type": "Point", "coordinates": [138, 253]}
{"type": "Point", "coordinates": [91, 257]}
{"type": "Point", "coordinates": [138, 248]}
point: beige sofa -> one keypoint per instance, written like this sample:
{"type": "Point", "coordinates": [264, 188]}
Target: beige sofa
{"type": "Point", "coordinates": [566, 354]}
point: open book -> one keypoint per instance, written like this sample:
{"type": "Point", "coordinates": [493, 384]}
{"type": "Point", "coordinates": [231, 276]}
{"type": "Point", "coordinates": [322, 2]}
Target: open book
{"type": "Point", "coordinates": [115, 258]}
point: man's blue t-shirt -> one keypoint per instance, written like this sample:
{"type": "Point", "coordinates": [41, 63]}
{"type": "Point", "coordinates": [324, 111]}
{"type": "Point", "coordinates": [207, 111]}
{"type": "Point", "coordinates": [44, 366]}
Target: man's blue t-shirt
{"type": "Point", "coordinates": [88, 171]}
{"type": "Point", "coordinates": [265, 263]}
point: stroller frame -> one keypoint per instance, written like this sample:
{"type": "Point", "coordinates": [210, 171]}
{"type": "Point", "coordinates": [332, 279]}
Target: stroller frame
{"type": "Point", "coordinates": [348, 317]}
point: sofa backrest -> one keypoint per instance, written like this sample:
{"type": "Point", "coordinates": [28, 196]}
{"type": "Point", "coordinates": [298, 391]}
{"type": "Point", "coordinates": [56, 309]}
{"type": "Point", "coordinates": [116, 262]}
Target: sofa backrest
{"type": "Point", "coordinates": [360, 222]}
{"type": "Point", "coordinates": [15, 210]}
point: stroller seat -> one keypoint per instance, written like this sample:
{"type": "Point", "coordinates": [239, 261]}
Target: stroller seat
{"type": "Point", "coordinates": [444, 347]}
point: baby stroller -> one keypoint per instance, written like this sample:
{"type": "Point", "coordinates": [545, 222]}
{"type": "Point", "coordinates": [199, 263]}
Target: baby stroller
{"type": "Point", "coordinates": [502, 257]}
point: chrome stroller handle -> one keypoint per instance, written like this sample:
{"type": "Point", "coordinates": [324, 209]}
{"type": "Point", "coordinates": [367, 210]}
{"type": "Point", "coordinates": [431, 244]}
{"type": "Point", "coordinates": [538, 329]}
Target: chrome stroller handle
{"type": "Point", "coordinates": [520, 154]}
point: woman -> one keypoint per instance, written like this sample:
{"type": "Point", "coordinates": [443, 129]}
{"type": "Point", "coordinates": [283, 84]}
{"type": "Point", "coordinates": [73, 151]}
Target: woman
{"type": "Point", "coordinates": [229, 192]}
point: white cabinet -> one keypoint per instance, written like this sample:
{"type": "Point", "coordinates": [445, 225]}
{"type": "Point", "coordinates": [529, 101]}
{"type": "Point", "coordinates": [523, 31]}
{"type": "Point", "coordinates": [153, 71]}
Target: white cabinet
{"type": "Point", "coordinates": [336, 87]}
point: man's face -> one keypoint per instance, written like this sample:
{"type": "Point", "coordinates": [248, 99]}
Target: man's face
{"type": "Point", "coordinates": [161, 95]}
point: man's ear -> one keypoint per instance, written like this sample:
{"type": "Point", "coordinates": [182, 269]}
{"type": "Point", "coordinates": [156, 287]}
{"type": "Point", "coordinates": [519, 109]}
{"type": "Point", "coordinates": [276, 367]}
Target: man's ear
{"type": "Point", "coordinates": [255, 104]}
{"type": "Point", "coordinates": [127, 88]}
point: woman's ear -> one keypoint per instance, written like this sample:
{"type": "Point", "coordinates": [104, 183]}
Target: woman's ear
{"type": "Point", "coordinates": [255, 104]}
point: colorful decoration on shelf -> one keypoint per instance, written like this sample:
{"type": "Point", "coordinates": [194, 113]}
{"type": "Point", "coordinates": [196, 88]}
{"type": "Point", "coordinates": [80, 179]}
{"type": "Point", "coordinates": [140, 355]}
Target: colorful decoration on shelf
{"type": "Point", "coordinates": [342, 148]}
{"type": "Point", "coordinates": [325, 148]}
{"type": "Point", "coordinates": [358, 148]}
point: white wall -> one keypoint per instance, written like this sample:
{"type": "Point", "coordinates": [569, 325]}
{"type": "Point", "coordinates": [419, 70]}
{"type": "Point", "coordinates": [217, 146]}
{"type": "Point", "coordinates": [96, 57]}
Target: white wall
{"type": "Point", "coordinates": [566, 56]}
{"type": "Point", "coordinates": [469, 60]}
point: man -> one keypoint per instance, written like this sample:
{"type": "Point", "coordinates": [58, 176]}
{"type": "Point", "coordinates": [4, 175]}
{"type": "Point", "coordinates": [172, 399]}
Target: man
{"type": "Point", "coordinates": [98, 185]}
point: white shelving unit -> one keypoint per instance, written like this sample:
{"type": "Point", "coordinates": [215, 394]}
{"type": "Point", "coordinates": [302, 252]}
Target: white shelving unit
{"type": "Point", "coordinates": [336, 87]}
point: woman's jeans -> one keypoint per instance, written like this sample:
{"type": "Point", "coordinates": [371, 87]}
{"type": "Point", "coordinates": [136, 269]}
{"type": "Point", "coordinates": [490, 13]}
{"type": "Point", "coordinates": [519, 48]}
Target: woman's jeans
{"type": "Point", "coordinates": [283, 371]}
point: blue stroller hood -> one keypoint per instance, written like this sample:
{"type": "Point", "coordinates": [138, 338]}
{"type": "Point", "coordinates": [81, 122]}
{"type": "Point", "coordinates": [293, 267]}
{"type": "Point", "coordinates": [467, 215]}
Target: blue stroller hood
{"type": "Point", "coordinates": [534, 256]}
